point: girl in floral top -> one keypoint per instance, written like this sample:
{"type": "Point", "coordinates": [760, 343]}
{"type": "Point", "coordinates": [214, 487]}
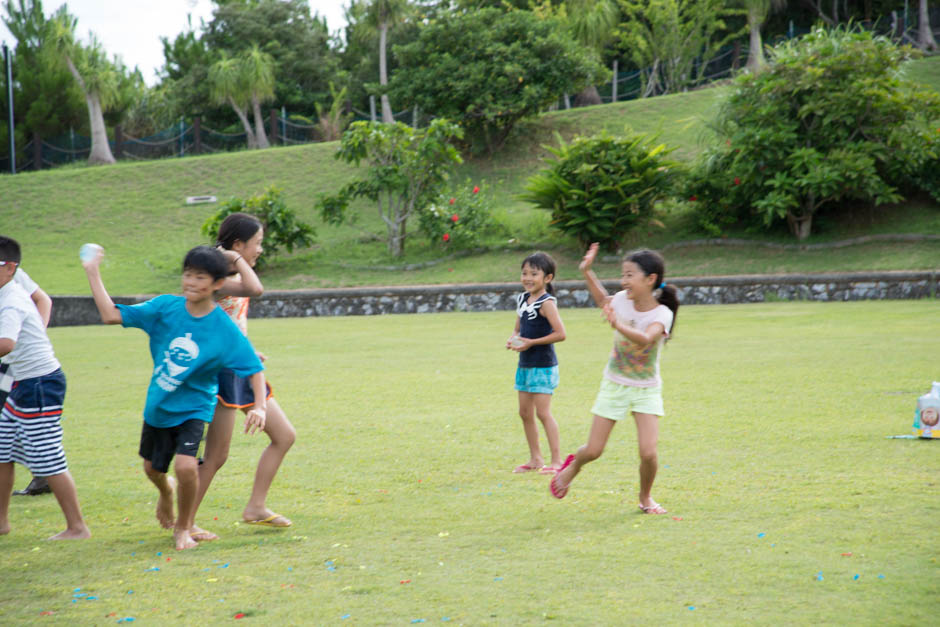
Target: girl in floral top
{"type": "Point", "coordinates": [642, 316]}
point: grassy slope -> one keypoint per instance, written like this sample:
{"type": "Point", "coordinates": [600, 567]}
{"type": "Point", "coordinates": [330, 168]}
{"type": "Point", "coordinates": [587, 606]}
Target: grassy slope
{"type": "Point", "coordinates": [137, 211]}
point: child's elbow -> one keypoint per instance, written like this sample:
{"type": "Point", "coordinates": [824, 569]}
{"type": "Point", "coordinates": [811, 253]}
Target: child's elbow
{"type": "Point", "coordinates": [561, 336]}
{"type": "Point", "coordinates": [255, 293]}
{"type": "Point", "coordinates": [6, 346]}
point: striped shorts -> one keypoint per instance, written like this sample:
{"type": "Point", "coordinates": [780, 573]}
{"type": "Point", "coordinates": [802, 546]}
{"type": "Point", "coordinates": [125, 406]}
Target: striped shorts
{"type": "Point", "coordinates": [30, 433]}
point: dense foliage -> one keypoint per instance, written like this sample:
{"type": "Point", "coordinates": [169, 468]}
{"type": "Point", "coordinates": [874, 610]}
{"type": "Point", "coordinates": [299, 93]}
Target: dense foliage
{"type": "Point", "coordinates": [282, 229]}
{"type": "Point", "coordinates": [486, 70]}
{"type": "Point", "coordinates": [830, 120]}
{"type": "Point", "coordinates": [459, 220]}
{"type": "Point", "coordinates": [599, 188]}
{"type": "Point", "coordinates": [406, 171]}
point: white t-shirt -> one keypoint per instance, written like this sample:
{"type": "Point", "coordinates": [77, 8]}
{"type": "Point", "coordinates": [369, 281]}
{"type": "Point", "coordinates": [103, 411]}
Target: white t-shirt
{"type": "Point", "coordinates": [20, 321]}
{"type": "Point", "coordinates": [629, 363]}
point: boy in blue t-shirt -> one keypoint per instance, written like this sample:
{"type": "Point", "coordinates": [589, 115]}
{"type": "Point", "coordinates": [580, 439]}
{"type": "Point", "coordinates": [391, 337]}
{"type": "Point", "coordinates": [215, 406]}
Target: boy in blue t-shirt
{"type": "Point", "coordinates": [191, 340]}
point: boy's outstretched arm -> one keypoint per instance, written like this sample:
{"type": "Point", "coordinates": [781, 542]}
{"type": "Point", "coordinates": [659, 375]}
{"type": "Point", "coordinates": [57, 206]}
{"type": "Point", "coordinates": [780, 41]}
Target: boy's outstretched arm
{"type": "Point", "coordinates": [595, 287]}
{"type": "Point", "coordinates": [109, 313]}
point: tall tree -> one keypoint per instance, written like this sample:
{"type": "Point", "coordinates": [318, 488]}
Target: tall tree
{"type": "Point", "coordinates": [381, 14]}
{"type": "Point", "coordinates": [96, 76]}
{"type": "Point", "coordinates": [242, 82]}
{"type": "Point", "coordinates": [594, 25]}
{"type": "Point", "coordinates": [258, 69]}
{"type": "Point", "coordinates": [757, 12]}
{"type": "Point", "coordinates": [925, 39]}
{"type": "Point", "coordinates": [227, 86]}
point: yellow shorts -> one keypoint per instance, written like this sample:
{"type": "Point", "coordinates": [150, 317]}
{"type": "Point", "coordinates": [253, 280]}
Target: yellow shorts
{"type": "Point", "coordinates": [615, 401]}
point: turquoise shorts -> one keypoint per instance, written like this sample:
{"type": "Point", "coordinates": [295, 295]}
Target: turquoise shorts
{"type": "Point", "coordinates": [615, 401]}
{"type": "Point", "coordinates": [537, 380]}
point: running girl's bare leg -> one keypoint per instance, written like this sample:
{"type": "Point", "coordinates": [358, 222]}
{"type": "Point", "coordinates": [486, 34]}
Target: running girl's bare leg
{"type": "Point", "coordinates": [597, 440]}
{"type": "Point", "coordinates": [63, 487]}
{"type": "Point", "coordinates": [527, 413]}
{"type": "Point", "coordinates": [187, 475]}
{"type": "Point", "coordinates": [543, 409]}
{"type": "Point", "coordinates": [6, 492]}
{"type": "Point", "coordinates": [647, 431]}
{"type": "Point", "coordinates": [218, 441]}
{"type": "Point", "coordinates": [165, 485]}
{"type": "Point", "coordinates": [282, 435]}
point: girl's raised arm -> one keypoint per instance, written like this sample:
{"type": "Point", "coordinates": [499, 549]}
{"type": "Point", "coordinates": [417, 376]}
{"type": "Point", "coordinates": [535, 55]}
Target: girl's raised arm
{"type": "Point", "coordinates": [249, 285]}
{"type": "Point", "coordinates": [595, 287]}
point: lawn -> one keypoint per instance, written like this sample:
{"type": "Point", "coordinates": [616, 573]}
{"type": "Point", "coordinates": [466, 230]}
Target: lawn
{"type": "Point", "coordinates": [788, 505]}
{"type": "Point", "coordinates": [137, 211]}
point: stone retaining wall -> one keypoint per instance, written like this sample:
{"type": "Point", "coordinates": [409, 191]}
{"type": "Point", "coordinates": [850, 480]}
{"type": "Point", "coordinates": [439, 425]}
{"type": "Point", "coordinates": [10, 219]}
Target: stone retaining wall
{"type": "Point", "coordinates": [77, 310]}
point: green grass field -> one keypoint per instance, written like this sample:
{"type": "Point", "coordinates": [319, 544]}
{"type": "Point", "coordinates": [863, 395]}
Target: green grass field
{"type": "Point", "coordinates": [788, 505]}
{"type": "Point", "coordinates": [137, 211]}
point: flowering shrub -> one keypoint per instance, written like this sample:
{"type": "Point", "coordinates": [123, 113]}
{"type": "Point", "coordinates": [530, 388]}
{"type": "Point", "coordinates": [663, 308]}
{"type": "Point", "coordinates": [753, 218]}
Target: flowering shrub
{"type": "Point", "coordinates": [458, 220]}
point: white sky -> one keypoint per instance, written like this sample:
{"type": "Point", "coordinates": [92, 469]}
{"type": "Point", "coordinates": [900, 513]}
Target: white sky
{"type": "Point", "coordinates": [132, 28]}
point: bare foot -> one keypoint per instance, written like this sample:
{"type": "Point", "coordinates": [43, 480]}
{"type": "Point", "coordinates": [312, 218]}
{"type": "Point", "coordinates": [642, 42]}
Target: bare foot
{"type": "Point", "coordinates": [165, 515]}
{"type": "Point", "coordinates": [201, 535]}
{"type": "Point", "coordinates": [184, 540]}
{"type": "Point", "coordinates": [72, 534]}
{"type": "Point", "coordinates": [4, 528]}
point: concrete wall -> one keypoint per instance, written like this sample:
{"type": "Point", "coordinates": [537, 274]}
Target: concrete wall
{"type": "Point", "coordinates": [77, 310]}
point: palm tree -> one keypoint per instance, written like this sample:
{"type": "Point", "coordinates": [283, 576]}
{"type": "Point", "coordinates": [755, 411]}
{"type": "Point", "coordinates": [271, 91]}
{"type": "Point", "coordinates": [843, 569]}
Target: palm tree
{"type": "Point", "coordinates": [95, 75]}
{"type": "Point", "coordinates": [258, 69]}
{"type": "Point", "coordinates": [381, 14]}
{"type": "Point", "coordinates": [925, 40]}
{"type": "Point", "coordinates": [757, 13]}
{"type": "Point", "coordinates": [227, 86]}
{"type": "Point", "coordinates": [593, 24]}
{"type": "Point", "coordinates": [242, 82]}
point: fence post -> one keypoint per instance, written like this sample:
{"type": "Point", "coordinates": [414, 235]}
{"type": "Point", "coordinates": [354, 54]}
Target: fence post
{"type": "Point", "coordinates": [197, 135]}
{"type": "Point", "coordinates": [414, 117]}
{"type": "Point", "coordinates": [118, 142]}
{"type": "Point", "coordinates": [37, 152]}
{"type": "Point", "coordinates": [613, 84]}
{"type": "Point", "coordinates": [372, 108]}
{"type": "Point", "coordinates": [272, 126]}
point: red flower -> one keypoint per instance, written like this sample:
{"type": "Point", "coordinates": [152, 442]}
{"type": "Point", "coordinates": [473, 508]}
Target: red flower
{"type": "Point", "coordinates": [737, 180]}
{"type": "Point", "coordinates": [693, 198]}
{"type": "Point", "coordinates": [446, 237]}
{"type": "Point", "coordinates": [454, 218]}
{"type": "Point", "coordinates": [452, 200]}
{"type": "Point", "coordinates": [475, 189]}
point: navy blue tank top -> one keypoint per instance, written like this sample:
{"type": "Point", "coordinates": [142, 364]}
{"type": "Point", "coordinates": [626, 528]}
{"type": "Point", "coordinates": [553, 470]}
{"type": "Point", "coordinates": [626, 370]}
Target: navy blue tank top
{"type": "Point", "coordinates": [532, 325]}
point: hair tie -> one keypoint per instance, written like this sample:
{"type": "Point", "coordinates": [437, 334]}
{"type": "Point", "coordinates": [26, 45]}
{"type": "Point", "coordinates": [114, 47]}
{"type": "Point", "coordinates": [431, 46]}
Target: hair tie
{"type": "Point", "coordinates": [662, 285]}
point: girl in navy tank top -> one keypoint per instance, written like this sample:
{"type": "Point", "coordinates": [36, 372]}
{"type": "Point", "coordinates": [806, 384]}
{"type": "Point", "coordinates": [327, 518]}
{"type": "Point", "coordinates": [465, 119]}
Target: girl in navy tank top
{"type": "Point", "coordinates": [538, 327]}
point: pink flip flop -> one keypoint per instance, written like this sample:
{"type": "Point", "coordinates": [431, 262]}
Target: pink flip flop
{"type": "Point", "coordinates": [524, 468]}
{"type": "Point", "coordinates": [557, 492]}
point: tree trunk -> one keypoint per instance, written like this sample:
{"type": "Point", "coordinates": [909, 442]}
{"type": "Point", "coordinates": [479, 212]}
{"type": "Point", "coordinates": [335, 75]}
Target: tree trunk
{"type": "Point", "coordinates": [249, 133]}
{"type": "Point", "coordinates": [587, 97]}
{"type": "Point", "coordinates": [260, 136]}
{"type": "Point", "coordinates": [925, 39]}
{"type": "Point", "coordinates": [800, 225]}
{"type": "Point", "coordinates": [755, 54]}
{"type": "Point", "coordinates": [100, 149]}
{"type": "Point", "coordinates": [383, 73]}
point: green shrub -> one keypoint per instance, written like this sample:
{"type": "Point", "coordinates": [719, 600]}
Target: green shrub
{"type": "Point", "coordinates": [282, 229]}
{"type": "Point", "coordinates": [458, 221]}
{"type": "Point", "coordinates": [599, 188]}
{"type": "Point", "coordinates": [830, 121]}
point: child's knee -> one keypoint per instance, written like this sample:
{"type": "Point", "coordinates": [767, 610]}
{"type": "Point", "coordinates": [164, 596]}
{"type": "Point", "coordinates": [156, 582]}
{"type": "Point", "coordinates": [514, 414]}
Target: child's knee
{"type": "Point", "coordinates": [648, 454]}
{"type": "Point", "coordinates": [186, 467]}
{"type": "Point", "coordinates": [591, 452]}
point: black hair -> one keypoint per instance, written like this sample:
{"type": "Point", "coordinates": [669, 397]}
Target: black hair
{"type": "Point", "coordinates": [651, 262]}
{"type": "Point", "coordinates": [542, 261]}
{"type": "Point", "coordinates": [10, 250]}
{"type": "Point", "coordinates": [206, 259]}
{"type": "Point", "coordinates": [237, 226]}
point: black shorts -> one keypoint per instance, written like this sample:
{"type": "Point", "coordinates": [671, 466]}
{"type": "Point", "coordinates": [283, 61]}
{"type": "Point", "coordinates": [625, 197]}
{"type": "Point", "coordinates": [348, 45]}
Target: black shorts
{"type": "Point", "coordinates": [158, 445]}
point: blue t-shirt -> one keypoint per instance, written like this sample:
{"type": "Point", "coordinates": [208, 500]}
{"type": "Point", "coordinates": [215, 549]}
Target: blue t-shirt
{"type": "Point", "coordinates": [533, 325]}
{"type": "Point", "coordinates": [188, 353]}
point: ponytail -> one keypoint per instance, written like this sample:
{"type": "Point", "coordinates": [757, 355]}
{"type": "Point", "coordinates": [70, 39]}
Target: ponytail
{"type": "Point", "coordinates": [651, 262]}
